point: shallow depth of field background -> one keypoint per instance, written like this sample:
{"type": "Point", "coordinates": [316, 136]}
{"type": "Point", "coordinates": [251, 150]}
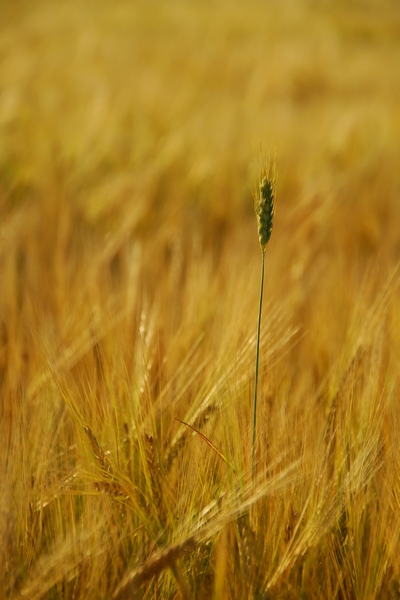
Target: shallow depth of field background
{"type": "Point", "coordinates": [132, 138]}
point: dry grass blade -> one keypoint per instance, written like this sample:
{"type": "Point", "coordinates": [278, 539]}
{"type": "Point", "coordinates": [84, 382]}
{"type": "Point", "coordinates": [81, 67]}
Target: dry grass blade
{"type": "Point", "coordinates": [207, 441]}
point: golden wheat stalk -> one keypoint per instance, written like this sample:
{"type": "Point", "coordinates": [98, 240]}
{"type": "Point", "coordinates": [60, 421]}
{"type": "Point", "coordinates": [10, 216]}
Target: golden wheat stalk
{"type": "Point", "coordinates": [153, 566]}
{"type": "Point", "coordinates": [264, 206]}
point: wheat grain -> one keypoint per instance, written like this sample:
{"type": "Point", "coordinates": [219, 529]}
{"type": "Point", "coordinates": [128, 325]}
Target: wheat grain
{"type": "Point", "coordinates": [265, 210]}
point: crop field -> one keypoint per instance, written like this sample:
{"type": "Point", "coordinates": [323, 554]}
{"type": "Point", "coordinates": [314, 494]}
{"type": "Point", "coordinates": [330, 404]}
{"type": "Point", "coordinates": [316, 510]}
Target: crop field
{"type": "Point", "coordinates": [133, 138]}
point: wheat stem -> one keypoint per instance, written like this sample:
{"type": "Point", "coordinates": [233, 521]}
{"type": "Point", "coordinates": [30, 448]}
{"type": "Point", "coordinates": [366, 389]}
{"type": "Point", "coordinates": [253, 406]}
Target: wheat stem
{"type": "Point", "coordinates": [253, 443]}
{"type": "Point", "coordinates": [264, 207]}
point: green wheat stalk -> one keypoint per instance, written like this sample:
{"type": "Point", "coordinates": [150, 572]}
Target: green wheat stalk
{"type": "Point", "coordinates": [264, 207]}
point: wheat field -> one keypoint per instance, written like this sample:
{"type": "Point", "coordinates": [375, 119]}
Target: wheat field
{"type": "Point", "coordinates": [132, 137]}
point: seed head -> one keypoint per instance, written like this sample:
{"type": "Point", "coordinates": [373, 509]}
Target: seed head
{"type": "Point", "coordinates": [264, 209]}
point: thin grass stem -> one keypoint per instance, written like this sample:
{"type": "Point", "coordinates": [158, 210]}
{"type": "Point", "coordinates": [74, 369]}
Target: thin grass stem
{"type": "Point", "coordinates": [254, 426]}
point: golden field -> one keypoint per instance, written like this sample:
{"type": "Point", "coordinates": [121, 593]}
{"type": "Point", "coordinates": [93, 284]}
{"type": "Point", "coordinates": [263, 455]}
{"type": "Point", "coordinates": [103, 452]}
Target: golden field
{"type": "Point", "coordinates": [132, 137]}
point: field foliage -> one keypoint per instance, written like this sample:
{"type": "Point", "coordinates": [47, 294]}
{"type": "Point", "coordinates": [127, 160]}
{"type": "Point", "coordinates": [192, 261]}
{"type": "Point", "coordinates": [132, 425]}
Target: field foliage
{"type": "Point", "coordinates": [132, 137]}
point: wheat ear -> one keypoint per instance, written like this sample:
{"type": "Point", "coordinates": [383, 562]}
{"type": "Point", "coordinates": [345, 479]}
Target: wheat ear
{"type": "Point", "coordinates": [153, 566]}
{"type": "Point", "coordinates": [264, 207]}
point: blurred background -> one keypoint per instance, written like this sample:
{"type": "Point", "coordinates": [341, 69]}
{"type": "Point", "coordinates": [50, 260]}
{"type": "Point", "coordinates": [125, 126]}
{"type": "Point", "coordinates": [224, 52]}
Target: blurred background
{"type": "Point", "coordinates": [171, 106]}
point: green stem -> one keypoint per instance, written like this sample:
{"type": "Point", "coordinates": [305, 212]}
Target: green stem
{"type": "Point", "coordinates": [253, 444]}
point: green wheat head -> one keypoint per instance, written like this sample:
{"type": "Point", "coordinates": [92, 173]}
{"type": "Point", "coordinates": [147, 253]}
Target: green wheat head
{"type": "Point", "coordinates": [264, 209]}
